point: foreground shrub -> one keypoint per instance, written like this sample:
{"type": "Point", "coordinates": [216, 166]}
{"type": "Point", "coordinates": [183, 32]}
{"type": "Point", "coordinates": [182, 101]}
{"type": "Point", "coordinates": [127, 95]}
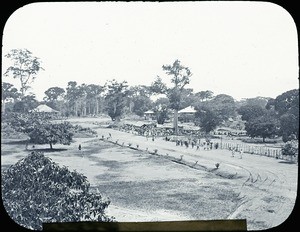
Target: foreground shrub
{"type": "Point", "coordinates": [290, 148]}
{"type": "Point", "coordinates": [36, 190]}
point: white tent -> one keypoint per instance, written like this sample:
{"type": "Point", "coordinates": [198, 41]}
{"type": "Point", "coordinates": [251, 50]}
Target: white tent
{"type": "Point", "coordinates": [45, 109]}
{"type": "Point", "coordinates": [188, 110]}
{"type": "Point", "coordinates": [149, 112]}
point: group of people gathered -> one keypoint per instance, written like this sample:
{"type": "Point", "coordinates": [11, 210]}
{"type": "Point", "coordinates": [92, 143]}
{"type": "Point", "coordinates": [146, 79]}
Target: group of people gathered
{"type": "Point", "coordinates": [152, 130]}
{"type": "Point", "coordinates": [188, 138]}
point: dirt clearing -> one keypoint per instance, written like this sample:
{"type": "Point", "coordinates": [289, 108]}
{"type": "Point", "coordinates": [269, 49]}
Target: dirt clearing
{"type": "Point", "coordinates": [176, 183]}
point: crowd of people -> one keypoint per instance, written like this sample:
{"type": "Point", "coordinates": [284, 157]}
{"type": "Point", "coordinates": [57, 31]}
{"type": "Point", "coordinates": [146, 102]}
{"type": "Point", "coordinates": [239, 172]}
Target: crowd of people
{"type": "Point", "coordinates": [151, 130]}
{"type": "Point", "coordinates": [194, 139]}
{"type": "Point", "coordinates": [186, 138]}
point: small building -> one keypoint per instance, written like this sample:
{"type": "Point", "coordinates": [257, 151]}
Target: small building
{"type": "Point", "coordinates": [45, 109]}
{"type": "Point", "coordinates": [149, 114]}
{"type": "Point", "coordinates": [187, 114]}
{"type": "Point", "coordinates": [188, 110]}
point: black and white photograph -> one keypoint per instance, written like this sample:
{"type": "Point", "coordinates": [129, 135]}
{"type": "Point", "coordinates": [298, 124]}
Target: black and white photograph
{"type": "Point", "coordinates": [150, 112]}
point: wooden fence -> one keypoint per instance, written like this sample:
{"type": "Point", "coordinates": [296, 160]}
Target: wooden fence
{"type": "Point", "coordinates": [258, 150]}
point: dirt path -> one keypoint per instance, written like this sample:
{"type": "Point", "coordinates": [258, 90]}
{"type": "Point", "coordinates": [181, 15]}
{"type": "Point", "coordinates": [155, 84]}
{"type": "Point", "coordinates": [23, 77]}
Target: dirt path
{"type": "Point", "coordinates": [261, 189]}
{"type": "Point", "coordinates": [268, 187]}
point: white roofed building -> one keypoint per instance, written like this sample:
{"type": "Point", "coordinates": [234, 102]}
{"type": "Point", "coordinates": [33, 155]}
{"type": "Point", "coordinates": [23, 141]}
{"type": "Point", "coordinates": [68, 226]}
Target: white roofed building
{"type": "Point", "coordinates": [187, 110]}
{"type": "Point", "coordinates": [44, 109]}
{"type": "Point", "coordinates": [187, 114]}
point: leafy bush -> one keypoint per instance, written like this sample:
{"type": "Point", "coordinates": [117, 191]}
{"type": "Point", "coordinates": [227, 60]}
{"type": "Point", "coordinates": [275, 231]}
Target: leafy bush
{"type": "Point", "coordinates": [48, 133]}
{"type": "Point", "coordinates": [8, 132]}
{"type": "Point", "coordinates": [40, 129]}
{"type": "Point", "coordinates": [85, 132]}
{"type": "Point", "coordinates": [290, 148]}
{"type": "Point", "coordinates": [36, 190]}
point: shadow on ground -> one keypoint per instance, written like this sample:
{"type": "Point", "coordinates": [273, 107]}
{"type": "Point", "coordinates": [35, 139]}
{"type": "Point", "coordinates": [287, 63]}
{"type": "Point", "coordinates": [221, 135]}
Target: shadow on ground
{"type": "Point", "coordinates": [48, 149]}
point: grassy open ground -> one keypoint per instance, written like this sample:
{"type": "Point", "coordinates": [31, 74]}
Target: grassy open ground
{"type": "Point", "coordinates": [177, 183]}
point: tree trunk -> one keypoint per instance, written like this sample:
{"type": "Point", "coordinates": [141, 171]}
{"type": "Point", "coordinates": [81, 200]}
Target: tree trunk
{"type": "Point", "coordinates": [264, 139]}
{"type": "Point", "coordinates": [75, 108]}
{"type": "Point", "coordinates": [175, 122]}
{"type": "Point", "coordinates": [3, 106]}
{"type": "Point", "coordinates": [84, 109]}
{"type": "Point", "coordinates": [50, 145]}
{"type": "Point", "coordinates": [97, 107]}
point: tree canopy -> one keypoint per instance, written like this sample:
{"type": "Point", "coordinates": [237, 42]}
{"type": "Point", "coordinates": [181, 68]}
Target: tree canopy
{"type": "Point", "coordinates": [25, 67]}
{"type": "Point", "coordinates": [265, 126]}
{"type": "Point", "coordinates": [180, 77]}
{"type": "Point", "coordinates": [54, 93]}
{"type": "Point", "coordinates": [204, 95]}
{"type": "Point", "coordinates": [249, 112]}
{"type": "Point", "coordinates": [40, 129]}
{"type": "Point", "coordinates": [206, 118]}
{"type": "Point", "coordinates": [115, 98]}
{"type": "Point", "coordinates": [25, 104]}
{"type": "Point", "coordinates": [286, 105]}
{"type": "Point", "coordinates": [8, 91]}
{"type": "Point", "coordinates": [36, 190]}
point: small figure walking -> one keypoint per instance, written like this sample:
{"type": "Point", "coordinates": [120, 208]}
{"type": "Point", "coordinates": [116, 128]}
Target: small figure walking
{"type": "Point", "coordinates": [241, 153]}
{"type": "Point", "coordinates": [193, 144]}
{"type": "Point", "coordinates": [79, 147]}
{"type": "Point", "coordinates": [232, 152]}
{"type": "Point", "coordinates": [26, 145]}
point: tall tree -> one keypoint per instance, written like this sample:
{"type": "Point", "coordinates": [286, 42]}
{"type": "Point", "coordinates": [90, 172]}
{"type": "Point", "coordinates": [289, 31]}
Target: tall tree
{"type": "Point", "coordinates": [206, 118]}
{"type": "Point", "coordinates": [161, 109]}
{"type": "Point", "coordinates": [8, 91]}
{"type": "Point", "coordinates": [139, 99]}
{"type": "Point", "coordinates": [258, 101]}
{"type": "Point", "coordinates": [250, 112]}
{"type": "Point", "coordinates": [26, 104]}
{"type": "Point", "coordinates": [93, 97]}
{"type": "Point", "coordinates": [289, 127]}
{"type": "Point", "coordinates": [265, 126]}
{"type": "Point", "coordinates": [82, 99]}
{"type": "Point", "coordinates": [188, 98]}
{"type": "Point", "coordinates": [25, 67]}
{"type": "Point", "coordinates": [158, 87]}
{"type": "Point", "coordinates": [54, 94]}
{"type": "Point", "coordinates": [286, 106]}
{"type": "Point", "coordinates": [288, 102]}
{"type": "Point", "coordinates": [204, 95]}
{"type": "Point", "coordinates": [115, 98]}
{"type": "Point", "coordinates": [72, 96]}
{"type": "Point", "coordinates": [180, 77]}
{"type": "Point", "coordinates": [55, 98]}
{"type": "Point", "coordinates": [224, 106]}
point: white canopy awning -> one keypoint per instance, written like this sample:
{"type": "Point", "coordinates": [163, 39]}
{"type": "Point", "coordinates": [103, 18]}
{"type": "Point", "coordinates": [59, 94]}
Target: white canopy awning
{"type": "Point", "coordinates": [44, 108]}
{"type": "Point", "coordinates": [149, 112]}
{"type": "Point", "coordinates": [189, 109]}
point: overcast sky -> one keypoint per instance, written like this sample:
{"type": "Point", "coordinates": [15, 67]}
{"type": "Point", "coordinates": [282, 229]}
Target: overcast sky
{"type": "Point", "coordinates": [244, 49]}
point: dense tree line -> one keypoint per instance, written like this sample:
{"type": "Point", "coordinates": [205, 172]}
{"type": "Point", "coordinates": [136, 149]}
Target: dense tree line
{"type": "Point", "coordinates": [263, 117]}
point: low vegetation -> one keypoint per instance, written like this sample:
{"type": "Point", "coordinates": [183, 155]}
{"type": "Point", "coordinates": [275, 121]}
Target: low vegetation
{"type": "Point", "coordinates": [36, 190]}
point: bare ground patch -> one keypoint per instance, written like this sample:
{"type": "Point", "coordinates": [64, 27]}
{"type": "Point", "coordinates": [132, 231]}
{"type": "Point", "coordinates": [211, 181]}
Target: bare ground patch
{"type": "Point", "coordinates": [144, 187]}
